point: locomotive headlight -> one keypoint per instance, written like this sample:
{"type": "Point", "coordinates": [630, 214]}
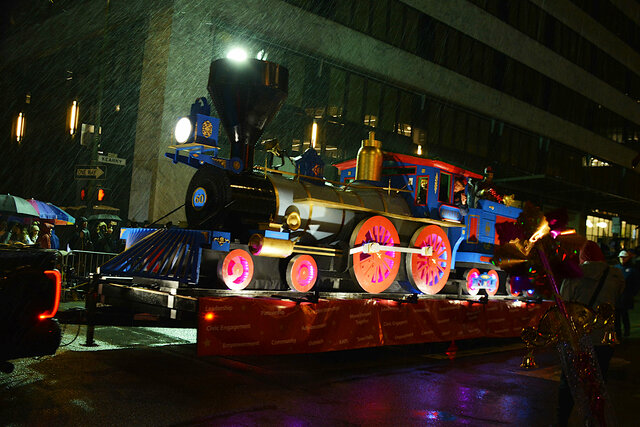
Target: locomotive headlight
{"type": "Point", "coordinates": [237, 54]}
{"type": "Point", "coordinates": [183, 130]}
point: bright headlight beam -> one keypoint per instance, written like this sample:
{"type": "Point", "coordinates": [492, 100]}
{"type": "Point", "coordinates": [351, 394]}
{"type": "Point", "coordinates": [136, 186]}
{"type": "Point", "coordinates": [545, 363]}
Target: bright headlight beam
{"type": "Point", "coordinates": [183, 130]}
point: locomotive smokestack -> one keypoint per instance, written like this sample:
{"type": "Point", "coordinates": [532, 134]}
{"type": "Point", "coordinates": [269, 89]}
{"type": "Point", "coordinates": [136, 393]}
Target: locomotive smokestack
{"type": "Point", "coordinates": [247, 96]}
{"type": "Point", "coordinates": [369, 164]}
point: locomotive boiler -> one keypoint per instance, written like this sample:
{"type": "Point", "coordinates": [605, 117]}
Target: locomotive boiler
{"type": "Point", "coordinates": [390, 225]}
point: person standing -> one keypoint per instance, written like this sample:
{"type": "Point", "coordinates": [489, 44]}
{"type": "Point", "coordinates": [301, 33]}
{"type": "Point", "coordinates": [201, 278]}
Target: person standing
{"type": "Point", "coordinates": [44, 238]}
{"type": "Point", "coordinates": [103, 239]}
{"type": "Point", "coordinates": [32, 236]}
{"type": "Point", "coordinates": [4, 231]}
{"type": "Point", "coordinates": [625, 301]}
{"type": "Point", "coordinates": [599, 284]}
{"type": "Point", "coordinates": [55, 240]}
{"type": "Point", "coordinates": [81, 239]}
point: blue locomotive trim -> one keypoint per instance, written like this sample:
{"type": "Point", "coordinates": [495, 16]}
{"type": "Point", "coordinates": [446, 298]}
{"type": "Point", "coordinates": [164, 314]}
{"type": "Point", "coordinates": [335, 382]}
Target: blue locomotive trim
{"type": "Point", "coordinates": [199, 198]}
{"type": "Point", "coordinates": [221, 241]}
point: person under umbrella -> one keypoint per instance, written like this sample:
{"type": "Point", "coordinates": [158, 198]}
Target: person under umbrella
{"type": "Point", "coordinates": [44, 238]}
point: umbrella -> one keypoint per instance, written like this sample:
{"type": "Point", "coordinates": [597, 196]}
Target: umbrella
{"type": "Point", "coordinates": [44, 210]}
{"type": "Point", "coordinates": [14, 205]}
{"type": "Point", "coordinates": [104, 217]}
{"type": "Point", "coordinates": [62, 218]}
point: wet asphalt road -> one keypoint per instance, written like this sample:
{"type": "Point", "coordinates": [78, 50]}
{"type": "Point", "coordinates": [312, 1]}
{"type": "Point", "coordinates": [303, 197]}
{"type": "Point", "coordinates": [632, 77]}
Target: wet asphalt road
{"type": "Point", "coordinates": [152, 377]}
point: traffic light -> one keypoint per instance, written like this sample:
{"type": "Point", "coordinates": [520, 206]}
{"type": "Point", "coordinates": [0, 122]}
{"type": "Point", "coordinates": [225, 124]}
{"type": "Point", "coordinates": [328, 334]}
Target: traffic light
{"type": "Point", "coordinates": [83, 194]}
{"type": "Point", "coordinates": [101, 194]}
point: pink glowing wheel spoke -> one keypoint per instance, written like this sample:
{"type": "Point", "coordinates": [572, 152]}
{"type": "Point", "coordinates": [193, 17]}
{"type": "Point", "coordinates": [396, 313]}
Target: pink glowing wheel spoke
{"type": "Point", "coordinates": [494, 283]}
{"type": "Point", "coordinates": [236, 270]}
{"type": "Point", "coordinates": [302, 272]}
{"type": "Point", "coordinates": [471, 281]}
{"type": "Point", "coordinates": [429, 273]}
{"type": "Point", "coordinates": [375, 272]}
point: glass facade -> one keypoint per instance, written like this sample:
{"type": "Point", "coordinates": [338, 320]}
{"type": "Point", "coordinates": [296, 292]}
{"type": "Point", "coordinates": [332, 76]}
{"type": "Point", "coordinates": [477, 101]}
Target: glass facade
{"type": "Point", "coordinates": [347, 104]}
{"type": "Point", "coordinates": [422, 35]}
{"type": "Point", "coordinates": [612, 234]}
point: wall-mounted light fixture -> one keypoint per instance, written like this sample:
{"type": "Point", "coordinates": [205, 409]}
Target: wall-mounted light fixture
{"type": "Point", "coordinates": [72, 118]}
{"type": "Point", "coordinates": [19, 127]}
{"type": "Point", "coordinates": [314, 134]}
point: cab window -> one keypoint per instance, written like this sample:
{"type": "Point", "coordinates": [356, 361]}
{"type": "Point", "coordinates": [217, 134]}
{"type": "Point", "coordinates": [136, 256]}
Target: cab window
{"type": "Point", "coordinates": [444, 193]}
{"type": "Point", "coordinates": [422, 191]}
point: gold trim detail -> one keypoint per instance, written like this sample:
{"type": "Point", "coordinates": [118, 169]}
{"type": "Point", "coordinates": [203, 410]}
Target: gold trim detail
{"type": "Point", "coordinates": [335, 205]}
{"type": "Point", "coordinates": [207, 129]}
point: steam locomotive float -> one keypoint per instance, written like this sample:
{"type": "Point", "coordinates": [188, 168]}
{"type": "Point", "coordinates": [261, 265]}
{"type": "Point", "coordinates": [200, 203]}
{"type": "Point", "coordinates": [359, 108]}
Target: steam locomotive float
{"type": "Point", "coordinates": [390, 225]}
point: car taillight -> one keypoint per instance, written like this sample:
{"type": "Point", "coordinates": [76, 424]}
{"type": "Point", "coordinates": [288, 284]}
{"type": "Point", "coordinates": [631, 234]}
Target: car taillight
{"type": "Point", "coordinates": [56, 277]}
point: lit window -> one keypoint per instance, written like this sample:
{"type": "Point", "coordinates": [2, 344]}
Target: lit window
{"type": "Point", "coordinates": [370, 120]}
{"type": "Point", "coordinates": [592, 162]}
{"type": "Point", "coordinates": [403, 129]}
{"type": "Point", "coordinates": [334, 111]}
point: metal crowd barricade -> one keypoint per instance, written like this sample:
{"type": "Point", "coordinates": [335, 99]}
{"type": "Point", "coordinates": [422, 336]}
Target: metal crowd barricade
{"type": "Point", "coordinates": [77, 265]}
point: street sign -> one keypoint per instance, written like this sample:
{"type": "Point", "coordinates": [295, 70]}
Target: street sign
{"type": "Point", "coordinates": [112, 159]}
{"type": "Point", "coordinates": [91, 172]}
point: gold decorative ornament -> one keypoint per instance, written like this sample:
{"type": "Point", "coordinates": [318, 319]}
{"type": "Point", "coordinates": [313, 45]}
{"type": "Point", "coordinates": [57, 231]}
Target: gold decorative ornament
{"type": "Point", "coordinates": [207, 129]}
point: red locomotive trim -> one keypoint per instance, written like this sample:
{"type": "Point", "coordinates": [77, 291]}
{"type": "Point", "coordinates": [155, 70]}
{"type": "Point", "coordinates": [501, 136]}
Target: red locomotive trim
{"type": "Point", "coordinates": [420, 161]}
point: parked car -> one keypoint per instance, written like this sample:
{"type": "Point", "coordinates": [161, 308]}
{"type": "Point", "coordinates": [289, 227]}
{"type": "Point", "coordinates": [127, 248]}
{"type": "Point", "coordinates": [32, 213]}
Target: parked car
{"type": "Point", "coordinates": [29, 298]}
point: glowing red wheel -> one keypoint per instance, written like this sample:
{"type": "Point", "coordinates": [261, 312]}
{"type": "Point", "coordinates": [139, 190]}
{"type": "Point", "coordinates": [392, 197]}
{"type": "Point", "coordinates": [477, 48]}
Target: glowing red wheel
{"type": "Point", "coordinates": [376, 271]}
{"type": "Point", "coordinates": [429, 273]}
{"type": "Point", "coordinates": [302, 272]}
{"type": "Point", "coordinates": [471, 281]}
{"type": "Point", "coordinates": [494, 283]}
{"type": "Point", "coordinates": [236, 270]}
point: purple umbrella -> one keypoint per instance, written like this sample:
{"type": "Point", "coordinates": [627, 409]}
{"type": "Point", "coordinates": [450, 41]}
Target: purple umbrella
{"type": "Point", "coordinates": [62, 218]}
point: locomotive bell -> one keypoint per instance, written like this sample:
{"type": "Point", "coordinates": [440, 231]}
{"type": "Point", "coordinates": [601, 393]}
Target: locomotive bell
{"type": "Point", "coordinates": [247, 96]}
{"type": "Point", "coordinates": [369, 164]}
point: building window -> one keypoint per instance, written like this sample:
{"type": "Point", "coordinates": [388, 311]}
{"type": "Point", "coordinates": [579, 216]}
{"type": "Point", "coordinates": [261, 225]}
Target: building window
{"type": "Point", "coordinates": [593, 162]}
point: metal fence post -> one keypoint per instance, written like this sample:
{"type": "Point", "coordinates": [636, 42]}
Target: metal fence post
{"type": "Point", "coordinates": [90, 305]}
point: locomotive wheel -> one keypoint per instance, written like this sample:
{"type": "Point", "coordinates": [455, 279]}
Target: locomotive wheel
{"type": "Point", "coordinates": [236, 269]}
{"type": "Point", "coordinates": [469, 278]}
{"type": "Point", "coordinates": [302, 273]}
{"type": "Point", "coordinates": [430, 273]}
{"type": "Point", "coordinates": [495, 283]}
{"type": "Point", "coordinates": [375, 272]}
{"type": "Point", "coordinates": [473, 289]}
{"type": "Point", "coordinates": [207, 195]}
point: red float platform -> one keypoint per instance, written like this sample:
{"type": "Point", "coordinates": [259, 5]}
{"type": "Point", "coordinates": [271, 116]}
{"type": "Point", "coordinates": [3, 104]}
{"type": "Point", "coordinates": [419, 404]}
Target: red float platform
{"type": "Point", "coordinates": [241, 326]}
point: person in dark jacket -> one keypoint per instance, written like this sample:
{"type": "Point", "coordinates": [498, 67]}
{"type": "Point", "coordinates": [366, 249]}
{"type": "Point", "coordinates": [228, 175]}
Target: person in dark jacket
{"type": "Point", "coordinates": [55, 240]}
{"type": "Point", "coordinates": [103, 240]}
{"type": "Point", "coordinates": [625, 301]}
{"type": "Point", "coordinates": [81, 238]}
